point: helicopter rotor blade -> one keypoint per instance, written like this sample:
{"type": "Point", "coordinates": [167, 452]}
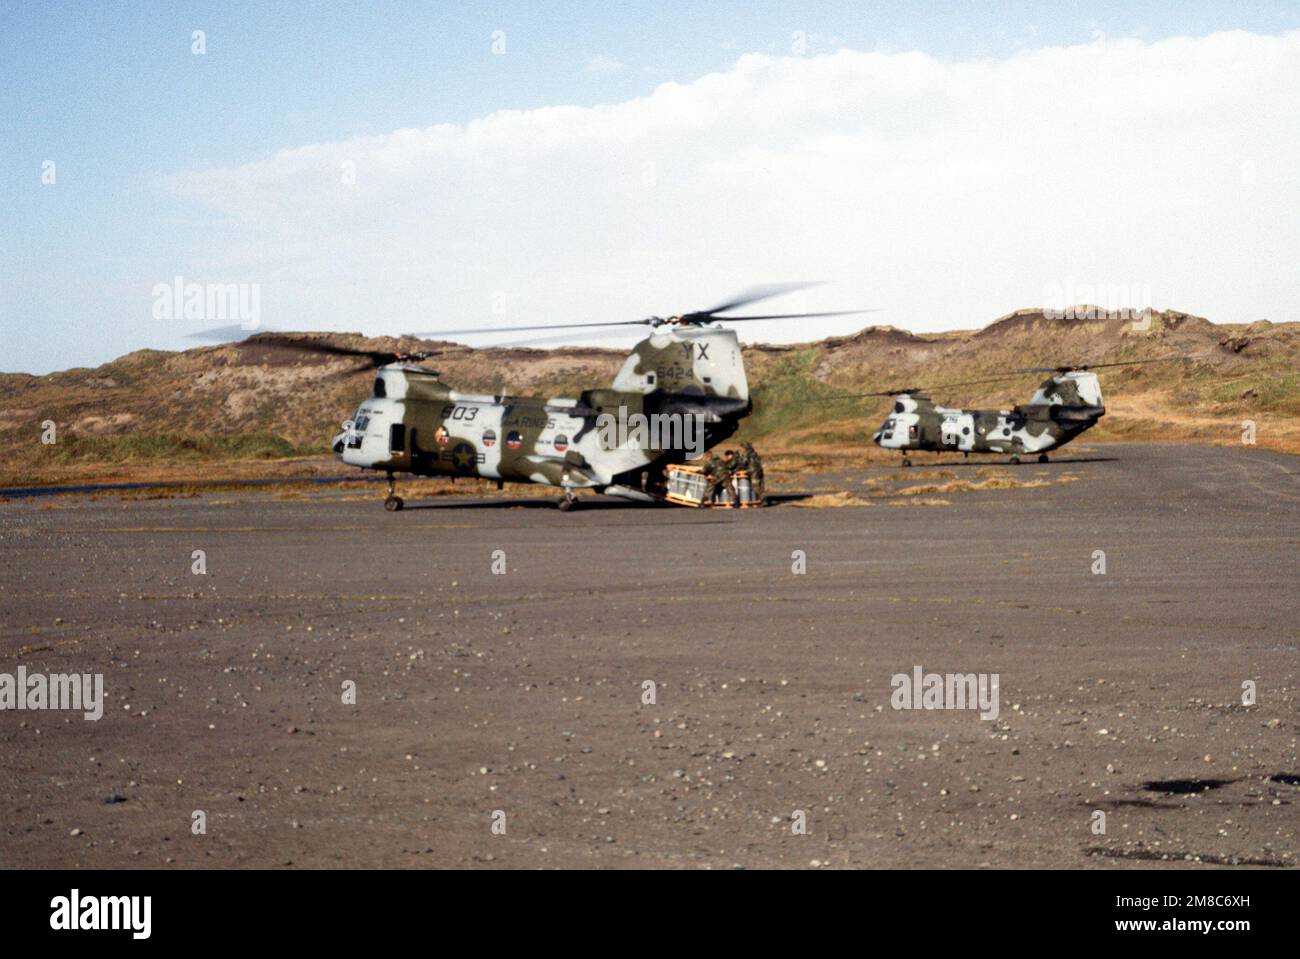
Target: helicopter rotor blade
{"type": "Point", "coordinates": [754, 294]}
{"type": "Point", "coordinates": [790, 316]}
{"type": "Point", "coordinates": [226, 334]}
{"type": "Point", "coordinates": [919, 389]}
{"type": "Point", "coordinates": [1092, 366]}
{"type": "Point", "coordinates": [567, 339]}
{"type": "Point", "coordinates": [1009, 374]}
{"type": "Point", "coordinates": [526, 329]}
{"type": "Point", "coordinates": [303, 344]}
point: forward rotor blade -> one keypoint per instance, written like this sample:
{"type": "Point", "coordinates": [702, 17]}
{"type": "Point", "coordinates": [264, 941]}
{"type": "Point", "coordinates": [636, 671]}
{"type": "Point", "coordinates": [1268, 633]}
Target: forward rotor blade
{"type": "Point", "coordinates": [302, 344]}
{"type": "Point", "coordinates": [239, 335]}
{"type": "Point", "coordinates": [226, 334]}
{"type": "Point", "coordinates": [525, 329]}
{"type": "Point", "coordinates": [568, 339]}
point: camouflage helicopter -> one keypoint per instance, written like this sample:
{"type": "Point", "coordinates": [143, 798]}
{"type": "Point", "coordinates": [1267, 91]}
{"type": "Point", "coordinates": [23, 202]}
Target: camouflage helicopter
{"type": "Point", "coordinates": [1065, 405]}
{"type": "Point", "coordinates": [687, 374]}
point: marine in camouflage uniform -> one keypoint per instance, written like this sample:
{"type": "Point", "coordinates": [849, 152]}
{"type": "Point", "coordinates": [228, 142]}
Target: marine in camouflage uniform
{"type": "Point", "coordinates": [731, 463]}
{"type": "Point", "coordinates": [718, 472]}
{"type": "Point", "coordinates": [751, 464]}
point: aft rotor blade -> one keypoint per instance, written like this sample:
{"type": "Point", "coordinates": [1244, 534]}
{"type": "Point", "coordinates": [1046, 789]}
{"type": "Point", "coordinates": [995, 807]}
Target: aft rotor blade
{"type": "Point", "coordinates": [1092, 366]}
{"type": "Point", "coordinates": [918, 389]}
{"type": "Point", "coordinates": [752, 295]}
{"type": "Point", "coordinates": [756, 293]}
{"type": "Point", "coordinates": [790, 316]}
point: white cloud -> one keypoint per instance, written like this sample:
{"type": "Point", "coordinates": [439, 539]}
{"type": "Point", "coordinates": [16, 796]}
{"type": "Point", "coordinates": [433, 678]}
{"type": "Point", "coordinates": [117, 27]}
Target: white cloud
{"type": "Point", "coordinates": [605, 65]}
{"type": "Point", "coordinates": [947, 193]}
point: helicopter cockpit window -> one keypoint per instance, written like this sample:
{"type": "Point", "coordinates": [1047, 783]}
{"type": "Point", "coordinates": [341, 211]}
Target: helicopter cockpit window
{"type": "Point", "coordinates": [359, 424]}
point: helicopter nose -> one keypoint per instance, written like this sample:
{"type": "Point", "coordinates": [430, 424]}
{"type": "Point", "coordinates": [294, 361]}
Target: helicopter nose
{"type": "Point", "coordinates": [337, 445]}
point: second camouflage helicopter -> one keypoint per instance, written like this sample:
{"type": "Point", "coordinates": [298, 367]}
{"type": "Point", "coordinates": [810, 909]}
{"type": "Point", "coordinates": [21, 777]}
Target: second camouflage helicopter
{"type": "Point", "coordinates": [1065, 405]}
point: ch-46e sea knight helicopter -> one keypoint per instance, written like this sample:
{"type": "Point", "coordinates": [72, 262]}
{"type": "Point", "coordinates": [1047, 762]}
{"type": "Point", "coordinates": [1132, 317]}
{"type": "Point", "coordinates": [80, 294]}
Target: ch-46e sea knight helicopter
{"type": "Point", "coordinates": [686, 375]}
{"type": "Point", "coordinates": [1065, 404]}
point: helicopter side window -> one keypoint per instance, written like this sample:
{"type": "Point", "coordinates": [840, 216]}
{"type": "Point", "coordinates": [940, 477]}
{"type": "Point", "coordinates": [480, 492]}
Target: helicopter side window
{"type": "Point", "coordinates": [397, 438]}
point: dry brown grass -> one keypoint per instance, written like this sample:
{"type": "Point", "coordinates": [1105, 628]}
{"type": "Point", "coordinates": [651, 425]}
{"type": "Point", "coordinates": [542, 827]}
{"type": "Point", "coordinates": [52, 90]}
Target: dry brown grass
{"type": "Point", "coordinates": [831, 501]}
{"type": "Point", "coordinates": [979, 486]}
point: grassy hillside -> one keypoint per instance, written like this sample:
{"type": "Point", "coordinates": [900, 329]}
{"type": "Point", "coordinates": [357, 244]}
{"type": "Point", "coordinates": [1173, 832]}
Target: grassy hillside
{"type": "Point", "coordinates": [250, 402]}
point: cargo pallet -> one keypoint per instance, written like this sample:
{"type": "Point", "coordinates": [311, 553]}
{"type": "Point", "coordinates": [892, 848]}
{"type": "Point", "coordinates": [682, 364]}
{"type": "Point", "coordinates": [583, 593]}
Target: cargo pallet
{"type": "Point", "coordinates": [687, 485]}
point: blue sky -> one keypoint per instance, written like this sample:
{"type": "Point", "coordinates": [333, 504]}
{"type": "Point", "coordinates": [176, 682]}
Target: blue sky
{"type": "Point", "coordinates": [113, 95]}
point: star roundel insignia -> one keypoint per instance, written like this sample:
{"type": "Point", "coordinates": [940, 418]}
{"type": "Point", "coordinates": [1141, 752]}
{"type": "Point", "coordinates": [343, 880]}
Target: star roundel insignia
{"type": "Point", "coordinates": [463, 457]}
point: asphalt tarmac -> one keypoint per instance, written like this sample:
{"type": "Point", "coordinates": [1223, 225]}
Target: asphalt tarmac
{"type": "Point", "coordinates": [500, 655]}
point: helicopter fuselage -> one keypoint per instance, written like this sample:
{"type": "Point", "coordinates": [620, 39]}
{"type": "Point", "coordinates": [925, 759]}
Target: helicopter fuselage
{"type": "Point", "coordinates": [1062, 408]}
{"type": "Point", "coordinates": [413, 423]}
{"type": "Point", "coordinates": [1022, 429]}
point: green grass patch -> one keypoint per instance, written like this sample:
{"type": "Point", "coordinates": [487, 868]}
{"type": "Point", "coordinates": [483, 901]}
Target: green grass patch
{"type": "Point", "coordinates": [1278, 392]}
{"type": "Point", "coordinates": [792, 397]}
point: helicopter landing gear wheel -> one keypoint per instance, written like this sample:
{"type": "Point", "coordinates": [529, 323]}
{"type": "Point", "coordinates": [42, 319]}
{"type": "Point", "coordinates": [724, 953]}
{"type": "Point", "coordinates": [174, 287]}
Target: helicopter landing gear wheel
{"type": "Point", "coordinates": [1042, 457]}
{"type": "Point", "coordinates": [569, 503]}
{"type": "Point", "coordinates": [394, 502]}
{"type": "Point", "coordinates": [906, 461]}
{"type": "Point", "coordinates": [1015, 461]}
